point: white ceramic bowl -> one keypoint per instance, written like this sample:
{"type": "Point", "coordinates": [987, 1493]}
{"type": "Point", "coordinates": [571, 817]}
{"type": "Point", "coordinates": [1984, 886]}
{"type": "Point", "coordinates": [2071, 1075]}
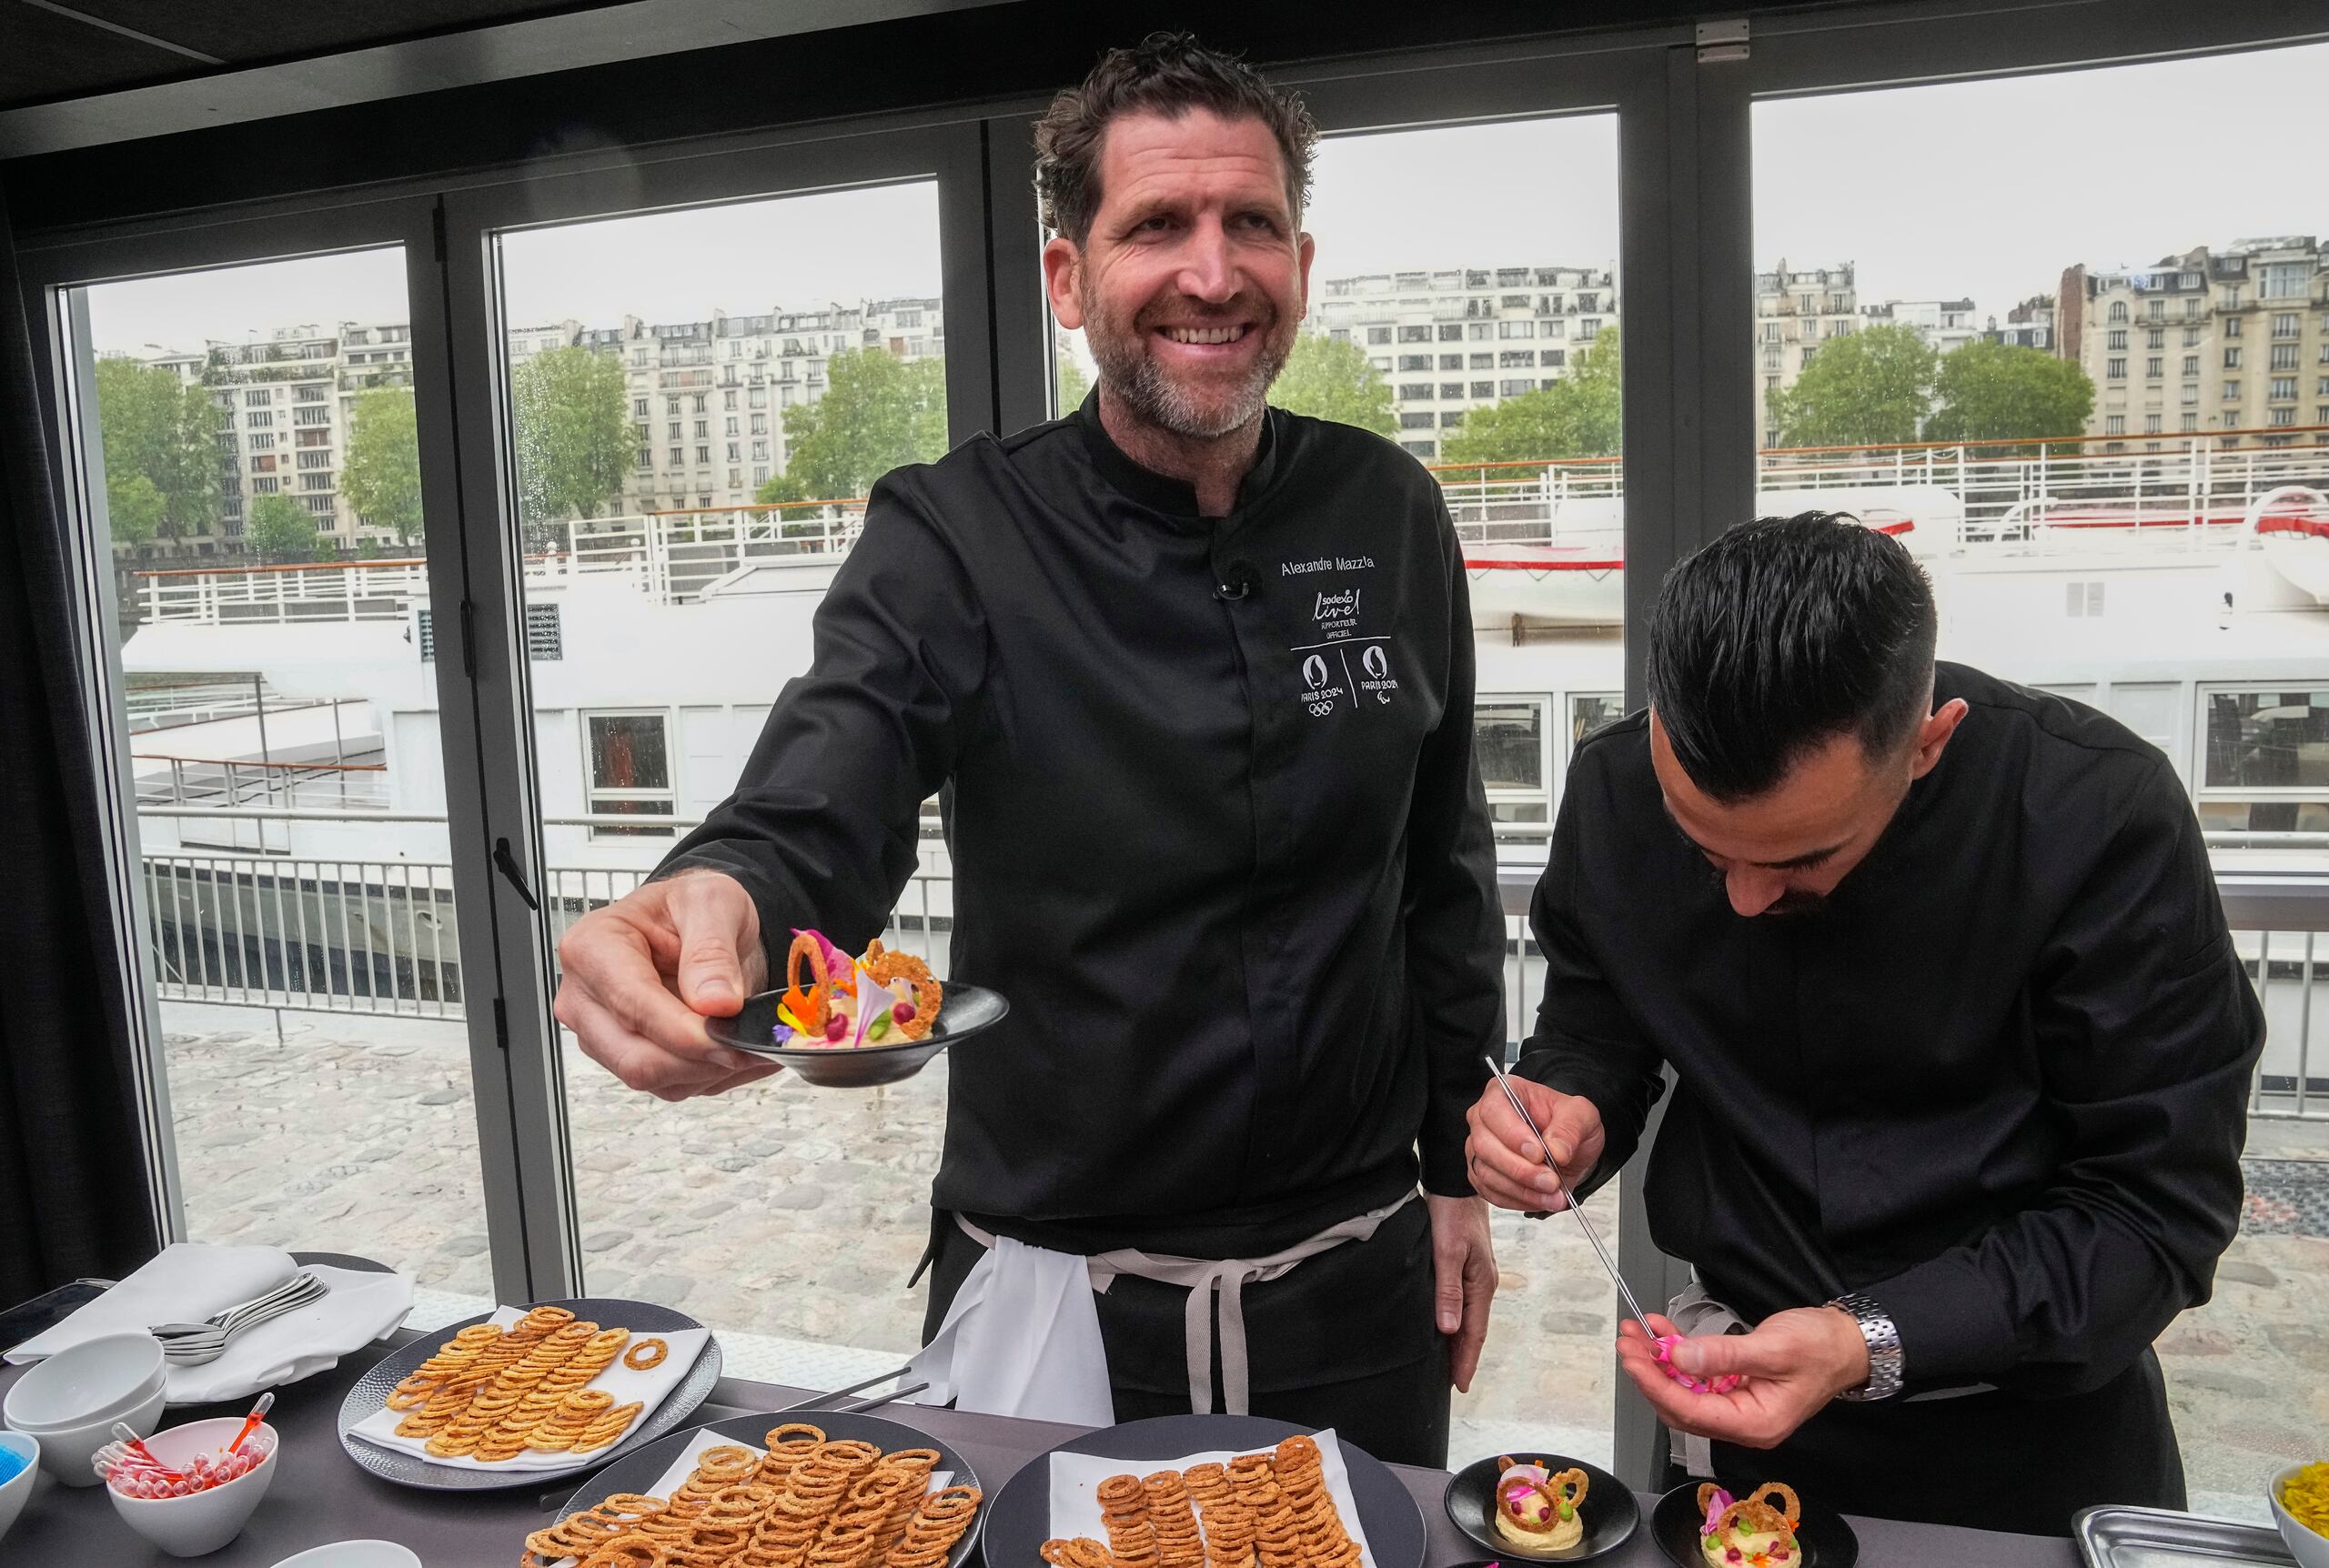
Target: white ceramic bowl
{"type": "Point", "coordinates": [66, 1450]}
{"type": "Point", "coordinates": [18, 1488]}
{"type": "Point", "coordinates": [206, 1521]}
{"type": "Point", "coordinates": [98, 1380]}
{"type": "Point", "coordinates": [353, 1555]}
{"type": "Point", "coordinates": [2307, 1545]}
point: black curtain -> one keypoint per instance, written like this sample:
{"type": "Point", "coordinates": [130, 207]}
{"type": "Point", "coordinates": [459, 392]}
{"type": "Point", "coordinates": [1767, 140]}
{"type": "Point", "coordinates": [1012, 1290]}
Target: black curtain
{"type": "Point", "coordinates": [73, 1190]}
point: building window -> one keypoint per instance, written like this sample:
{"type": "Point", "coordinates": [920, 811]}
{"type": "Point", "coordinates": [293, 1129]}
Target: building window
{"type": "Point", "coordinates": [2157, 336]}
{"type": "Point", "coordinates": [646, 458]}
{"type": "Point", "coordinates": [256, 400]}
{"type": "Point", "coordinates": [1422, 421]}
{"type": "Point", "coordinates": [638, 407]}
{"type": "Point", "coordinates": [2115, 371]}
{"type": "Point", "coordinates": [2114, 425]}
{"type": "Point", "coordinates": [2285, 324]}
{"type": "Point", "coordinates": [1450, 390]}
{"type": "Point", "coordinates": [2232, 391]}
{"type": "Point", "coordinates": [1378, 335]}
{"type": "Point", "coordinates": [2188, 422]}
{"type": "Point", "coordinates": [1414, 334]}
{"type": "Point", "coordinates": [1514, 388]}
{"type": "Point", "coordinates": [630, 767]}
{"type": "Point", "coordinates": [2151, 367]}
{"type": "Point", "coordinates": [1488, 389]}
{"type": "Point", "coordinates": [1414, 391]}
{"type": "Point", "coordinates": [2282, 389]}
{"type": "Point", "coordinates": [2118, 338]}
{"type": "Point", "coordinates": [703, 454]}
{"type": "Point", "coordinates": [2284, 356]}
{"type": "Point", "coordinates": [674, 429]}
{"type": "Point", "coordinates": [2153, 309]}
{"type": "Point", "coordinates": [2232, 326]}
{"type": "Point", "coordinates": [2232, 356]}
{"type": "Point", "coordinates": [259, 420]}
{"type": "Point", "coordinates": [702, 429]}
{"type": "Point", "coordinates": [679, 455]}
{"type": "Point", "coordinates": [1451, 332]}
{"type": "Point", "coordinates": [1807, 352]}
{"type": "Point", "coordinates": [2281, 417]}
{"type": "Point", "coordinates": [1517, 359]}
{"type": "Point", "coordinates": [1509, 330]}
{"type": "Point", "coordinates": [2190, 365]}
{"type": "Point", "coordinates": [2150, 424]}
{"type": "Point", "coordinates": [2191, 338]}
{"type": "Point", "coordinates": [2118, 310]}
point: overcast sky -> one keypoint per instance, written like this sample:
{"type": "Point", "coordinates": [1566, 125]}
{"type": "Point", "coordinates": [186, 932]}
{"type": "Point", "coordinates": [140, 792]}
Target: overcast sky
{"type": "Point", "coordinates": [1979, 188]}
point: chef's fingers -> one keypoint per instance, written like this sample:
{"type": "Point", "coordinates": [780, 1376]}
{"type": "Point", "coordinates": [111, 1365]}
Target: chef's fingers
{"type": "Point", "coordinates": [1500, 1172]}
{"type": "Point", "coordinates": [1479, 1295]}
{"type": "Point", "coordinates": [718, 926]}
{"type": "Point", "coordinates": [608, 958]}
{"type": "Point", "coordinates": [643, 1062]}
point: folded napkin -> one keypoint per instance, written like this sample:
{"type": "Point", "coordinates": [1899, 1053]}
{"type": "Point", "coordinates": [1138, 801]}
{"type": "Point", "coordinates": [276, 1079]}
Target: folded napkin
{"type": "Point", "coordinates": [650, 1387]}
{"type": "Point", "coordinates": [187, 1281]}
{"type": "Point", "coordinates": [1076, 1477]}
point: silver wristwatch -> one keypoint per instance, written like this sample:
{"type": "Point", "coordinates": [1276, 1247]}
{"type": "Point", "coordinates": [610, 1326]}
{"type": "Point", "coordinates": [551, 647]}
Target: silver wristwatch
{"type": "Point", "coordinates": [1885, 1368]}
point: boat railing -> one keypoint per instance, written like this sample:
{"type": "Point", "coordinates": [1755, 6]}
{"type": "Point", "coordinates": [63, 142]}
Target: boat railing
{"type": "Point", "coordinates": [2037, 498]}
{"type": "Point", "coordinates": [379, 936]}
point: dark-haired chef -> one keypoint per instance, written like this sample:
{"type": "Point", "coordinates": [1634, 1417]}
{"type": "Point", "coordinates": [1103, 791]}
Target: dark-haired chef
{"type": "Point", "coordinates": [1960, 1043]}
{"type": "Point", "coordinates": [1194, 679]}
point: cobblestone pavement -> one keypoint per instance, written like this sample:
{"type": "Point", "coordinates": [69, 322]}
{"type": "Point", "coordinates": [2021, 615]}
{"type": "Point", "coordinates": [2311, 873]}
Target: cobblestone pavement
{"type": "Point", "coordinates": [789, 1212]}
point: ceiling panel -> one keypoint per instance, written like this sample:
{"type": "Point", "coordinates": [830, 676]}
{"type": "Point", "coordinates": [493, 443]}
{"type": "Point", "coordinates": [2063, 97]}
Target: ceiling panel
{"type": "Point", "coordinates": [243, 31]}
{"type": "Point", "coordinates": [45, 55]}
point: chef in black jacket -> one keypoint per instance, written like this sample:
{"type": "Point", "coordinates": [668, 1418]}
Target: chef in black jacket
{"type": "Point", "coordinates": [1958, 1038]}
{"type": "Point", "coordinates": [1193, 680]}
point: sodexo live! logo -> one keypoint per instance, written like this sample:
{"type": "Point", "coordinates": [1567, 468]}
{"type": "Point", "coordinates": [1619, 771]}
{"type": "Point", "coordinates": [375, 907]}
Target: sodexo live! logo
{"type": "Point", "coordinates": [1319, 696]}
{"type": "Point", "coordinates": [1379, 679]}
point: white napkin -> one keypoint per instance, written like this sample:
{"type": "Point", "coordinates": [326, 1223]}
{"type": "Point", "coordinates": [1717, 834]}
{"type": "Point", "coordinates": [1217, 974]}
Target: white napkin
{"type": "Point", "coordinates": [1076, 1477]}
{"type": "Point", "coordinates": [1021, 1338]}
{"type": "Point", "coordinates": [189, 1281]}
{"type": "Point", "coordinates": [650, 1387]}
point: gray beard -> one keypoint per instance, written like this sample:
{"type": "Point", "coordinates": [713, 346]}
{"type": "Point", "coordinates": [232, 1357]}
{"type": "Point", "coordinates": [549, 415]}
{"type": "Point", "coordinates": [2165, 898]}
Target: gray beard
{"type": "Point", "coordinates": [1157, 398]}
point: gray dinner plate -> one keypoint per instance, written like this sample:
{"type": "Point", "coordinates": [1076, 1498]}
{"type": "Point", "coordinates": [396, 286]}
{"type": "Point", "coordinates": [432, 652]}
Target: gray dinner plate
{"type": "Point", "coordinates": [371, 1394]}
{"type": "Point", "coordinates": [968, 1009]}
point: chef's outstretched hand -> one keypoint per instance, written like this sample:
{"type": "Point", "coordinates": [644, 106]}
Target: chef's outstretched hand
{"type": "Point", "coordinates": [1501, 1153]}
{"type": "Point", "coordinates": [643, 973]}
{"type": "Point", "coordinates": [1789, 1367]}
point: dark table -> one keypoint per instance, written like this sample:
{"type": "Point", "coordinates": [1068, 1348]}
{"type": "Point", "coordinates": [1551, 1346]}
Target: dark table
{"type": "Point", "coordinates": [320, 1495]}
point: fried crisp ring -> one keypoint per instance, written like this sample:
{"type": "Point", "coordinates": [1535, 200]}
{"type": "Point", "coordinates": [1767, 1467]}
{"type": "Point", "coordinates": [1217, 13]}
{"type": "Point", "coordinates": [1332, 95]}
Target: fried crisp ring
{"type": "Point", "coordinates": [1759, 1517]}
{"type": "Point", "coordinates": [646, 1353]}
{"type": "Point", "coordinates": [1081, 1553]}
{"type": "Point", "coordinates": [817, 997]}
{"type": "Point", "coordinates": [1781, 1498]}
{"type": "Point", "coordinates": [886, 964]}
{"type": "Point", "coordinates": [1562, 1483]}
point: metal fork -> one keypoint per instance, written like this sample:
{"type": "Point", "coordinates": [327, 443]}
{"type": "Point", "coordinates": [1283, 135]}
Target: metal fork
{"type": "Point", "coordinates": [191, 1344]}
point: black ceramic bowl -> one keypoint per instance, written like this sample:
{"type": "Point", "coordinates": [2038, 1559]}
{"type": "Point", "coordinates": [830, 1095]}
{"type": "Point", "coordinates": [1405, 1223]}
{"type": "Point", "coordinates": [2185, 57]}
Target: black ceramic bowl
{"type": "Point", "coordinates": [1827, 1541]}
{"type": "Point", "coordinates": [1608, 1512]}
{"type": "Point", "coordinates": [968, 1009]}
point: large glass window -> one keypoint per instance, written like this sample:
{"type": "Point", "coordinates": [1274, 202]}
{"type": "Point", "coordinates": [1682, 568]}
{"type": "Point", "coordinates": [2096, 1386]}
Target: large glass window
{"type": "Point", "coordinates": [681, 582]}
{"type": "Point", "coordinates": [301, 932]}
{"type": "Point", "coordinates": [2077, 543]}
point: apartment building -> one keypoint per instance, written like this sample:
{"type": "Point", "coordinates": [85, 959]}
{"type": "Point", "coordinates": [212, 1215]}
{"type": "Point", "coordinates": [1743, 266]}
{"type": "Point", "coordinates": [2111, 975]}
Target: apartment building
{"type": "Point", "coordinates": [1941, 324]}
{"type": "Point", "coordinates": [284, 410]}
{"type": "Point", "coordinates": [1460, 338]}
{"type": "Point", "coordinates": [1797, 310]}
{"type": "Point", "coordinates": [707, 398]}
{"type": "Point", "coordinates": [2231, 340]}
{"type": "Point", "coordinates": [2029, 324]}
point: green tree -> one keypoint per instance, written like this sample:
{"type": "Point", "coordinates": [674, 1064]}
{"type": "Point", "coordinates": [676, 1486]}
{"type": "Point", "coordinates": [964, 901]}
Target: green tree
{"type": "Point", "coordinates": [381, 478]}
{"type": "Point", "coordinates": [1998, 392]}
{"type": "Point", "coordinates": [878, 411]}
{"type": "Point", "coordinates": [1870, 389]}
{"type": "Point", "coordinates": [1069, 385]}
{"type": "Point", "coordinates": [574, 439]}
{"type": "Point", "coordinates": [280, 529]}
{"type": "Point", "coordinates": [1580, 415]}
{"type": "Point", "coordinates": [1332, 378]}
{"type": "Point", "coordinates": [164, 431]}
{"type": "Point", "coordinates": [779, 488]}
{"type": "Point", "coordinates": [134, 507]}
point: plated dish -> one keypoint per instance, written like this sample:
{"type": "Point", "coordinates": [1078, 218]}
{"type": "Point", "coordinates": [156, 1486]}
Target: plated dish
{"type": "Point", "coordinates": [1020, 1517]}
{"type": "Point", "coordinates": [1701, 1525]}
{"type": "Point", "coordinates": [400, 1376]}
{"type": "Point", "coordinates": [754, 1491]}
{"type": "Point", "coordinates": [967, 1010]}
{"type": "Point", "coordinates": [1497, 1503]}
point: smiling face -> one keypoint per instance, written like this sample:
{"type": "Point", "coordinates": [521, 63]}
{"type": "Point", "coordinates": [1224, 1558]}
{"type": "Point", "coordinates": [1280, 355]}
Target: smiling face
{"type": "Point", "coordinates": [1193, 280]}
{"type": "Point", "coordinates": [1783, 851]}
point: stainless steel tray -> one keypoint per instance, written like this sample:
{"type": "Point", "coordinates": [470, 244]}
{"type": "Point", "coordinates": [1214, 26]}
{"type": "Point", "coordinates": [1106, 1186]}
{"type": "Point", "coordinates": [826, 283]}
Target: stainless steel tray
{"type": "Point", "coordinates": [2163, 1538]}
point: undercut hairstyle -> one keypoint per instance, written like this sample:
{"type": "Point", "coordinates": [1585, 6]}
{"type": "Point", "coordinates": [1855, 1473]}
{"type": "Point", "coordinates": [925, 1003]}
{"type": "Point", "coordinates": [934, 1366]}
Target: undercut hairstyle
{"type": "Point", "coordinates": [1166, 74]}
{"type": "Point", "coordinates": [1782, 635]}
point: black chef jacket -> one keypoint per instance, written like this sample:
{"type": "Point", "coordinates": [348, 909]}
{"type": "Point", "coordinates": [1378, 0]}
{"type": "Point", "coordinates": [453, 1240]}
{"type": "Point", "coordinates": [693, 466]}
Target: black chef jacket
{"type": "Point", "coordinates": [1997, 1083]}
{"type": "Point", "coordinates": [1217, 832]}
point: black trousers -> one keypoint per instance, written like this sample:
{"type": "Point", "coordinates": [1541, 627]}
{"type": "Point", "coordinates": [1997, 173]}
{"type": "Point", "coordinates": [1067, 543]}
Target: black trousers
{"type": "Point", "coordinates": [1354, 1327]}
{"type": "Point", "coordinates": [1997, 1461]}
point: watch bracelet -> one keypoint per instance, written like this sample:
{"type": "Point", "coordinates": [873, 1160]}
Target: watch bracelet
{"type": "Point", "coordinates": [1886, 1364]}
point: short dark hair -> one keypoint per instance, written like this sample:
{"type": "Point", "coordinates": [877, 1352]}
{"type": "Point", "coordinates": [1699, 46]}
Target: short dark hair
{"type": "Point", "coordinates": [1166, 74]}
{"type": "Point", "coordinates": [1782, 635]}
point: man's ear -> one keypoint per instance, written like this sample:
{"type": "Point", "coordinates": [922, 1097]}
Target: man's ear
{"type": "Point", "coordinates": [1063, 267]}
{"type": "Point", "coordinates": [1932, 734]}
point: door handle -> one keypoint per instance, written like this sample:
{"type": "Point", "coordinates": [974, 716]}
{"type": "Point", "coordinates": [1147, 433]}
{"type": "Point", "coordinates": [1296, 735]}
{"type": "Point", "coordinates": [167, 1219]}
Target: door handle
{"type": "Point", "coordinates": [506, 864]}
